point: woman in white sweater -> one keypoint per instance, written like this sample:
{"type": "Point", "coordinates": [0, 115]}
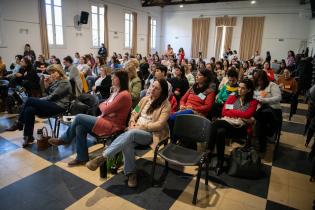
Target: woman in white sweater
{"type": "Point", "coordinates": [269, 114]}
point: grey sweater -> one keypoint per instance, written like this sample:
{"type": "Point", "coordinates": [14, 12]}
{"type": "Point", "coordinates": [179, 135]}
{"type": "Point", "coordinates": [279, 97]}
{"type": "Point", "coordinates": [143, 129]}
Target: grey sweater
{"type": "Point", "coordinates": [74, 75]}
{"type": "Point", "coordinates": [59, 93]}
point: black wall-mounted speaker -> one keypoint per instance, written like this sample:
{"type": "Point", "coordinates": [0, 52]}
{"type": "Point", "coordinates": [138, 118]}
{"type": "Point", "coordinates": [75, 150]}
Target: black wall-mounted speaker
{"type": "Point", "coordinates": [84, 17]}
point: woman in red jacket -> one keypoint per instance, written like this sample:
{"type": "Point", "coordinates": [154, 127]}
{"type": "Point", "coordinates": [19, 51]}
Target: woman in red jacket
{"type": "Point", "coordinates": [114, 115]}
{"type": "Point", "coordinates": [236, 117]}
{"type": "Point", "coordinates": [198, 99]}
{"type": "Point", "coordinates": [269, 71]}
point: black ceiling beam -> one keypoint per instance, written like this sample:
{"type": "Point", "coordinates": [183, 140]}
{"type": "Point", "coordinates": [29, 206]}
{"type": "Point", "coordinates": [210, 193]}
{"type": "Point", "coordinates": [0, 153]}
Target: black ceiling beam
{"type": "Point", "coordinates": [162, 4]}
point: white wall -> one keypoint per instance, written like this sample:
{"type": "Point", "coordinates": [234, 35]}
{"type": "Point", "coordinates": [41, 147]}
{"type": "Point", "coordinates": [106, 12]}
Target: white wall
{"type": "Point", "coordinates": [311, 38]}
{"type": "Point", "coordinates": [21, 25]}
{"type": "Point", "coordinates": [285, 20]}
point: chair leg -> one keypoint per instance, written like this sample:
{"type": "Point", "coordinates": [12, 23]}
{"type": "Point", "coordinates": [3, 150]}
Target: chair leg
{"type": "Point", "coordinates": [51, 127]}
{"type": "Point", "coordinates": [58, 128]}
{"type": "Point", "coordinates": [55, 128]}
{"type": "Point", "coordinates": [153, 169]}
{"type": "Point", "coordinates": [207, 170]}
{"type": "Point", "coordinates": [194, 201]}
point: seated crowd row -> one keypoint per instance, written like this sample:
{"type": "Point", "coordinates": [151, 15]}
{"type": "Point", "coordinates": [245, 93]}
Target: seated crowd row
{"type": "Point", "coordinates": [234, 98]}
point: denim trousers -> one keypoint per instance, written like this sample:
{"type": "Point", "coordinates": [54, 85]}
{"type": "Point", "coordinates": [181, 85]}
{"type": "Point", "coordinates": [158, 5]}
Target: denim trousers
{"type": "Point", "coordinates": [126, 143]}
{"type": "Point", "coordinates": [91, 81]}
{"type": "Point", "coordinates": [78, 130]}
{"type": "Point", "coordinates": [36, 106]}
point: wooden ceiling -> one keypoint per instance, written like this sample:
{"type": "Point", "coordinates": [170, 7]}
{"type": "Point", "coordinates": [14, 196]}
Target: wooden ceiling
{"type": "Point", "coordinates": [162, 3]}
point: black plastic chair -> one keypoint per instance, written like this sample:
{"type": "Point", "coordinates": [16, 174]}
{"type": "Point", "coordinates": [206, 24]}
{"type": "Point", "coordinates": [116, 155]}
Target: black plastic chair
{"type": "Point", "coordinates": [277, 137]}
{"type": "Point", "coordinates": [189, 129]}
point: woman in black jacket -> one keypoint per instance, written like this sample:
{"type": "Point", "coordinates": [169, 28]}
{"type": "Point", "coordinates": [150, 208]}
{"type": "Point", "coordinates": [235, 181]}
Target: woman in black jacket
{"type": "Point", "coordinates": [28, 78]}
{"type": "Point", "coordinates": [179, 83]}
{"type": "Point", "coordinates": [103, 83]}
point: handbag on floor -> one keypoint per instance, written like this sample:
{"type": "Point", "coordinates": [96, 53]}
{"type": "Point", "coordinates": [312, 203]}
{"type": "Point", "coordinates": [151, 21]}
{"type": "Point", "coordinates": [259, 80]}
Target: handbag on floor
{"type": "Point", "coordinates": [245, 162]}
{"type": "Point", "coordinates": [42, 138]}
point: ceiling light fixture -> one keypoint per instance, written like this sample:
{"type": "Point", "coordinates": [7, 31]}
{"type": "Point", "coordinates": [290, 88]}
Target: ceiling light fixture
{"type": "Point", "coordinates": [253, 2]}
{"type": "Point", "coordinates": [181, 6]}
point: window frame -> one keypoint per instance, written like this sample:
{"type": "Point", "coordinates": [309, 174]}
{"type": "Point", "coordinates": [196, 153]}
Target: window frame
{"type": "Point", "coordinates": [52, 10]}
{"type": "Point", "coordinates": [130, 29]}
{"type": "Point", "coordinates": [98, 6]}
{"type": "Point", "coordinates": [151, 28]}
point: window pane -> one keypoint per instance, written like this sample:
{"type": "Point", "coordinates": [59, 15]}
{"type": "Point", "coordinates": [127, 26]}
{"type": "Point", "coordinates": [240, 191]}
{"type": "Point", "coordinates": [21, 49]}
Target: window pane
{"type": "Point", "coordinates": [48, 1]}
{"type": "Point", "coordinates": [58, 16]}
{"type": "Point", "coordinates": [126, 16]}
{"type": "Point", "coordinates": [57, 2]}
{"type": "Point", "coordinates": [95, 37]}
{"type": "Point", "coordinates": [94, 9]}
{"type": "Point", "coordinates": [94, 22]}
{"type": "Point", "coordinates": [50, 34]}
{"type": "Point", "coordinates": [127, 27]}
{"type": "Point", "coordinates": [59, 35]}
{"type": "Point", "coordinates": [48, 14]}
{"type": "Point", "coordinates": [101, 10]}
{"type": "Point", "coordinates": [127, 40]}
{"type": "Point", "coordinates": [101, 28]}
{"type": "Point", "coordinates": [130, 36]}
{"type": "Point", "coordinates": [154, 22]}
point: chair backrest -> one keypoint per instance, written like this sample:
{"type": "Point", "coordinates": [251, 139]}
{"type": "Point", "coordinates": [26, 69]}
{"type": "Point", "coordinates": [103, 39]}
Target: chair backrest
{"type": "Point", "coordinates": [193, 128]}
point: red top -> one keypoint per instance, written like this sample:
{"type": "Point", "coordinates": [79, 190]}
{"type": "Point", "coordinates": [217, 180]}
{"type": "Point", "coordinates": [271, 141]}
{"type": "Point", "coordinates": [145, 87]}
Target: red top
{"type": "Point", "coordinates": [114, 115]}
{"type": "Point", "coordinates": [202, 106]}
{"type": "Point", "coordinates": [271, 75]}
{"type": "Point", "coordinates": [234, 113]}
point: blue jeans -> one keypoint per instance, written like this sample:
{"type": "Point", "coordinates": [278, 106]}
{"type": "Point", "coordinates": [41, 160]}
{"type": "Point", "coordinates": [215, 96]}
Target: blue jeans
{"type": "Point", "coordinates": [36, 106]}
{"type": "Point", "coordinates": [79, 128]}
{"type": "Point", "coordinates": [91, 81]}
{"type": "Point", "coordinates": [126, 143]}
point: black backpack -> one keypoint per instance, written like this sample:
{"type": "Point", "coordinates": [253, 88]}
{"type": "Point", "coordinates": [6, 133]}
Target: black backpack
{"type": "Point", "coordinates": [84, 104]}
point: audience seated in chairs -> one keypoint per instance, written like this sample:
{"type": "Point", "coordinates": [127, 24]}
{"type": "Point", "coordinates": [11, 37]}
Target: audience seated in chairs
{"type": "Point", "coordinates": [230, 88]}
{"type": "Point", "coordinates": [84, 67]}
{"type": "Point", "coordinates": [134, 81]}
{"type": "Point", "coordinates": [288, 87]}
{"type": "Point", "coordinates": [269, 114]}
{"type": "Point", "coordinates": [74, 76]}
{"type": "Point", "coordinates": [160, 72]}
{"type": "Point", "coordinates": [95, 72]}
{"type": "Point", "coordinates": [147, 126]}
{"type": "Point", "coordinates": [236, 120]}
{"type": "Point", "coordinates": [57, 100]}
{"type": "Point", "coordinates": [269, 71]}
{"type": "Point", "coordinates": [40, 65]}
{"type": "Point", "coordinates": [28, 78]}
{"type": "Point", "coordinates": [103, 83]}
{"type": "Point", "coordinates": [15, 67]}
{"type": "Point", "coordinates": [113, 119]}
{"type": "Point", "coordinates": [198, 99]}
{"type": "Point", "coordinates": [179, 82]}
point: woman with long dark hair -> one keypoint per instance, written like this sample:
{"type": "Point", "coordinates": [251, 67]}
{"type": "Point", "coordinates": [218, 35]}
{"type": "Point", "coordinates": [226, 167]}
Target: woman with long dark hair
{"type": "Point", "coordinates": [198, 99]}
{"type": "Point", "coordinates": [147, 126]}
{"type": "Point", "coordinates": [179, 82]}
{"type": "Point", "coordinates": [114, 111]}
{"type": "Point", "coordinates": [269, 115]}
{"type": "Point", "coordinates": [236, 117]}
